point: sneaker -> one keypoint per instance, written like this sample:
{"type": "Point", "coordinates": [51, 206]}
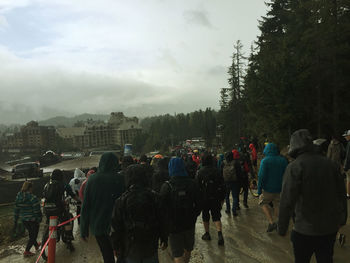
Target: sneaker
{"type": "Point", "coordinates": [271, 227]}
{"type": "Point", "coordinates": [221, 241]}
{"type": "Point", "coordinates": [245, 205]}
{"type": "Point", "coordinates": [341, 239]}
{"type": "Point", "coordinates": [28, 254]}
{"type": "Point", "coordinates": [206, 236]}
{"type": "Point", "coordinates": [38, 246]}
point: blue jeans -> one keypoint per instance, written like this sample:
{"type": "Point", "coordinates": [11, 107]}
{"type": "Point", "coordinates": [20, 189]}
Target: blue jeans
{"type": "Point", "coordinates": [232, 187]}
{"type": "Point", "coordinates": [153, 259]}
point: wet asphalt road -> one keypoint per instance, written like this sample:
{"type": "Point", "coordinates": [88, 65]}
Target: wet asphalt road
{"type": "Point", "coordinates": [246, 241]}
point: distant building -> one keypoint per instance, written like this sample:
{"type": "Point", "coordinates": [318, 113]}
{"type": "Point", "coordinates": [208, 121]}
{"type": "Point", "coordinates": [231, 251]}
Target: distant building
{"type": "Point", "coordinates": [31, 137]}
{"type": "Point", "coordinates": [118, 131]}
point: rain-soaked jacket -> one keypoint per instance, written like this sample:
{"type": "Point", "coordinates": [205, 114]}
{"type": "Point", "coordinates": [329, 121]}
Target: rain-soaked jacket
{"type": "Point", "coordinates": [271, 170]}
{"type": "Point", "coordinates": [313, 189]}
{"type": "Point", "coordinates": [102, 189]}
{"type": "Point", "coordinates": [77, 180]}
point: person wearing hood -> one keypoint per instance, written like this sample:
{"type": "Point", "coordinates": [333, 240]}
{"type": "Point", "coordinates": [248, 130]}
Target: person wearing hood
{"type": "Point", "coordinates": [102, 189]}
{"type": "Point", "coordinates": [181, 195]}
{"type": "Point", "coordinates": [161, 174]}
{"type": "Point", "coordinates": [270, 179]}
{"type": "Point", "coordinates": [27, 209]}
{"type": "Point", "coordinates": [75, 184]}
{"type": "Point", "coordinates": [313, 191]}
{"type": "Point", "coordinates": [138, 220]}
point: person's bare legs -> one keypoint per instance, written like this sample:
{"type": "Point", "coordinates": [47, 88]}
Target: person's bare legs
{"type": "Point", "coordinates": [218, 226]}
{"type": "Point", "coordinates": [267, 211]}
{"type": "Point", "coordinates": [187, 256]}
{"type": "Point", "coordinates": [206, 226]}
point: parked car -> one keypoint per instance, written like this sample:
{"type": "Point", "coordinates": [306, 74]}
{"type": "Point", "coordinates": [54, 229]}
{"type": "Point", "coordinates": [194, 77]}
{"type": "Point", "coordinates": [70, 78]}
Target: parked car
{"type": "Point", "coordinates": [27, 170]}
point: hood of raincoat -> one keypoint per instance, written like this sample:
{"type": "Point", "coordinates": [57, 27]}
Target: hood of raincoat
{"type": "Point", "coordinates": [136, 175]}
{"type": "Point", "coordinates": [270, 150]}
{"type": "Point", "coordinates": [300, 141]}
{"type": "Point", "coordinates": [108, 163]}
{"type": "Point", "coordinates": [235, 154]}
{"type": "Point", "coordinates": [78, 173]}
{"type": "Point", "coordinates": [177, 167]}
{"type": "Point", "coordinates": [251, 146]}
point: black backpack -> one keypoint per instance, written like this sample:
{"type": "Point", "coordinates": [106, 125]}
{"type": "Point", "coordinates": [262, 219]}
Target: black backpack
{"type": "Point", "coordinates": [211, 186]}
{"type": "Point", "coordinates": [140, 214]}
{"type": "Point", "coordinates": [183, 204]}
{"type": "Point", "coordinates": [53, 194]}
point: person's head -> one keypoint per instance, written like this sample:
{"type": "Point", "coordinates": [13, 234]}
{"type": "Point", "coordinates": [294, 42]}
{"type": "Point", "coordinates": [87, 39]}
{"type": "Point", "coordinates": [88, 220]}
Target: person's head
{"type": "Point", "coordinates": [207, 159]}
{"type": "Point", "coordinates": [176, 167]}
{"type": "Point", "coordinates": [57, 175]}
{"type": "Point", "coordinates": [136, 175]}
{"type": "Point", "coordinates": [235, 154]}
{"type": "Point", "coordinates": [271, 149]}
{"type": "Point", "coordinates": [143, 159]}
{"type": "Point", "coordinates": [94, 169]}
{"type": "Point", "coordinates": [251, 146]}
{"type": "Point", "coordinates": [300, 142]}
{"type": "Point", "coordinates": [127, 161]}
{"type": "Point", "coordinates": [346, 135]}
{"type": "Point", "coordinates": [109, 162]}
{"type": "Point", "coordinates": [228, 156]}
{"type": "Point", "coordinates": [27, 187]}
{"type": "Point", "coordinates": [163, 163]}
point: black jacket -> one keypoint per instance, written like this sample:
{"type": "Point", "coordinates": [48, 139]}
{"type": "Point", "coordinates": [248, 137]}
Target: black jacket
{"type": "Point", "coordinates": [313, 189]}
{"type": "Point", "coordinates": [211, 172]}
{"type": "Point", "coordinates": [180, 223]}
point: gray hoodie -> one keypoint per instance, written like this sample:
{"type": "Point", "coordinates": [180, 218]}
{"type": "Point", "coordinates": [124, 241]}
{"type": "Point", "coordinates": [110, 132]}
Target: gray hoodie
{"type": "Point", "coordinates": [313, 190]}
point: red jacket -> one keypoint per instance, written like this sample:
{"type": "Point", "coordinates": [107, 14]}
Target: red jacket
{"type": "Point", "coordinates": [253, 152]}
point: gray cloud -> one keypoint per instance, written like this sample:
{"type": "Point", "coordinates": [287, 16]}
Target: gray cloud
{"type": "Point", "coordinates": [197, 18]}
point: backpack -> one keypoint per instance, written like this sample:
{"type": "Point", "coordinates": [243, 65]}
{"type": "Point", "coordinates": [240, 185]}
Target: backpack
{"type": "Point", "coordinates": [210, 185]}
{"type": "Point", "coordinates": [229, 172]}
{"type": "Point", "coordinates": [183, 204]}
{"type": "Point", "coordinates": [140, 215]}
{"type": "Point", "coordinates": [53, 194]}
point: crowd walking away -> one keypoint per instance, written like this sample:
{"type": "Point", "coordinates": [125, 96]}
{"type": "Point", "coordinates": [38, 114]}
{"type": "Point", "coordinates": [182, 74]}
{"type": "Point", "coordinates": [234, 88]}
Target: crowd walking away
{"type": "Point", "coordinates": [134, 208]}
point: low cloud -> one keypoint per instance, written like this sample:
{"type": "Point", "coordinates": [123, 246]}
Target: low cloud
{"type": "Point", "coordinates": [197, 18]}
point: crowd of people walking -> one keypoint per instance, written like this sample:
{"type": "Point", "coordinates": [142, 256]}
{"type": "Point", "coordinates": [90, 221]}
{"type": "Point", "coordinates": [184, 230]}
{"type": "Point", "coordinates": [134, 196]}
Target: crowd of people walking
{"type": "Point", "coordinates": [132, 208]}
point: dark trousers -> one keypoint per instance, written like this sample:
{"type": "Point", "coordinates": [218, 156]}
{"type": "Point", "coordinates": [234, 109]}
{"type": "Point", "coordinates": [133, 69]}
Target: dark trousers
{"type": "Point", "coordinates": [304, 246]}
{"type": "Point", "coordinates": [106, 248]}
{"type": "Point", "coordinates": [232, 187]}
{"type": "Point", "coordinates": [33, 230]}
{"type": "Point", "coordinates": [244, 184]}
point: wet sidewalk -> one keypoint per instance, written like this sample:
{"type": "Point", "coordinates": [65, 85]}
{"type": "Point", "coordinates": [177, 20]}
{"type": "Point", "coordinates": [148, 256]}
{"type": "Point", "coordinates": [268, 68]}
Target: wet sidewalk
{"type": "Point", "coordinates": [245, 236]}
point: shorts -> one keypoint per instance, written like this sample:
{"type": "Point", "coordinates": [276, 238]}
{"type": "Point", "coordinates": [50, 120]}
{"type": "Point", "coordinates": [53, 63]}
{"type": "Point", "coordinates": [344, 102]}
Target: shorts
{"type": "Point", "coordinates": [214, 207]}
{"type": "Point", "coordinates": [266, 198]}
{"type": "Point", "coordinates": [179, 242]}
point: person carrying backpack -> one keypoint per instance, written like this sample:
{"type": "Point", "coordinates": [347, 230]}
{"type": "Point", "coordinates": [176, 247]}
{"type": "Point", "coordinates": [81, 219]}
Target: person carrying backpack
{"type": "Point", "coordinates": [181, 196]}
{"type": "Point", "coordinates": [75, 184]}
{"type": "Point", "coordinates": [160, 174]}
{"type": "Point", "coordinates": [138, 221]}
{"type": "Point", "coordinates": [213, 189]}
{"type": "Point", "coordinates": [231, 172]}
{"type": "Point", "coordinates": [55, 204]}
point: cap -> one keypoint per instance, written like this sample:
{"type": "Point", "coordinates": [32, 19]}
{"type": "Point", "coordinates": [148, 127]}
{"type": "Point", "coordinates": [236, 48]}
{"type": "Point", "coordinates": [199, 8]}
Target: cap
{"type": "Point", "coordinates": [346, 133]}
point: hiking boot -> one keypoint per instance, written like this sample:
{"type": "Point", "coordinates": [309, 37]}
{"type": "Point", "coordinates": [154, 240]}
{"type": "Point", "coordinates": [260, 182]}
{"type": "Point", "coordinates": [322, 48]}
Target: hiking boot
{"type": "Point", "coordinates": [245, 205]}
{"type": "Point", "coordinates": [271, 227]}
{"type": "Point", "coordinates": [28, 254]}
{"type": "Point", "coordinates": [341, 239]}
{"type": "Point", "coordinates": [206, 236]}
{"type": "Point", "coordinates": [221, 241]}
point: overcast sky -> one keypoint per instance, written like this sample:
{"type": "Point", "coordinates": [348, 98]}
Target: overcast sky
{"type": "Point", "coordinates": [143, 57]}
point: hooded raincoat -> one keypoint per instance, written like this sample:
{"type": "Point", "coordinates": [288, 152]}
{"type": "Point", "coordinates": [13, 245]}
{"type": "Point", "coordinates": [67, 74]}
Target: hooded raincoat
{"type": "Point", "coordinates": [77, 180]}
{"type": "Point", "coordinates": [271, 170]}
{"type": "Point", "coordinates": [313, 190]}
{"type": "Point", "coordinates": [102, 189]}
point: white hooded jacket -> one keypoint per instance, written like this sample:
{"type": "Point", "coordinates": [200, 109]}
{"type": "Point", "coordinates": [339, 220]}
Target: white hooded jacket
{"type": "Point", "coordinates": [78, 179]}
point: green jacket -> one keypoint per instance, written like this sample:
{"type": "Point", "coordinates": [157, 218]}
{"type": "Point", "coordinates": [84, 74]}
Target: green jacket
{"type": "Point", "coordinates": [101, 191]}
{"type": "Point", "coordinates": [27, 207]}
